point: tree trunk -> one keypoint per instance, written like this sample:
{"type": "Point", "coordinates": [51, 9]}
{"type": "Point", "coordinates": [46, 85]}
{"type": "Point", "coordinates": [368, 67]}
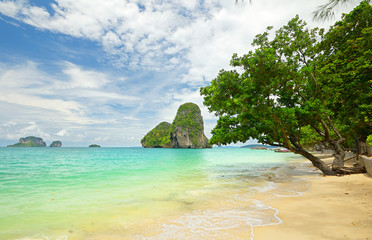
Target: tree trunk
{"type": "Point", "coordinates": [351, 170]}
{"type": "Point", "coordinates": [338, 162]}
{"type": "Point", "coordinates": [322, 166]}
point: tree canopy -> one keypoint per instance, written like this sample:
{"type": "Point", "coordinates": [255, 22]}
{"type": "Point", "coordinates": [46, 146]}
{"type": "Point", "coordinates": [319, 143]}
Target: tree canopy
{"type": "Point", "coordinates": [283, 93]}
{"type": "Point", "coordinates": [346, 63]}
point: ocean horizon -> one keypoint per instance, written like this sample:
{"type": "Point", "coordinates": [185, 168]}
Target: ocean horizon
{"type": "Point", "coordinates": [142, 193]}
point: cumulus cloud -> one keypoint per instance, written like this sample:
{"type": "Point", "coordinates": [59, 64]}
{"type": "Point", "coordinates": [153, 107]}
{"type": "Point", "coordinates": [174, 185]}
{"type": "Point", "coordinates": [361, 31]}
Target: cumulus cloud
{"type": "Point", "coordinates": [198, 36]}
{"type": "Point", "coordinates": [83, 78]}
{"type": "Point", "coordinates": [8, 124]}
{"type": "Point", "coordinates": [62, 133]}
{"type": "Point", "coordinates": [31, 129]}
{"type": "Point", "coordinates": [124, 28]}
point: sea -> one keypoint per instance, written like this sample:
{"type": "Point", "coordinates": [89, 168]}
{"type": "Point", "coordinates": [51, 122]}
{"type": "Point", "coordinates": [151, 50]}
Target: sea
{"type": "Point", "coordinates": [143, 193]}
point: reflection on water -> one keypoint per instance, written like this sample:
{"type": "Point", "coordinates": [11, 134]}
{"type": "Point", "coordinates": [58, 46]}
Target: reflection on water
{"type": "Point", "coordinates": [136, 193]}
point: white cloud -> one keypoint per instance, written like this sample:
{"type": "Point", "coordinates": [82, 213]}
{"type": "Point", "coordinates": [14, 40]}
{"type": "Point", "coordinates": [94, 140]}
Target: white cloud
{"type": "Point", "coordinates": [83, 78]}
{"type": "Point", "coordinates": [197, 35]}
{"type": "Point", "coordinates": [176, 98]}
{"type": "Point", "coordinates": [131, 118]}
{"type": "Point", "coordinates": [101, 139]}
{"type": "Point", "coordinates": [31, 129]}
{"type": "Point", "coordinates": [138, 28]}
{"type": "Point", "coordinates": [10, 8]}
{"type": "Point", "coordinates": [110, 41]}
{"type": "Point", "coordinates": [8, 124]}
{"type": "Point", "coordinates": [62, 133]}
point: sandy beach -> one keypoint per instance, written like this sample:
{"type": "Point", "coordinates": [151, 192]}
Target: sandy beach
{"type": "Point", "coordinates": [334, 208]}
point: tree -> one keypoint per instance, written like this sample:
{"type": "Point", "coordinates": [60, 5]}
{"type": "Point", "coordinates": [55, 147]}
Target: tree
{"type": "Point", "coordinates": [278, 97]}
{"type": "Point", "coordinates": [346, 66]}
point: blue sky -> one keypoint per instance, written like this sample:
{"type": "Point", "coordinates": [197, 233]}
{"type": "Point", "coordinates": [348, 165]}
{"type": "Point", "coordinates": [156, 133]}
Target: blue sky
{"type": "Point", "coordinates": [107, 72]}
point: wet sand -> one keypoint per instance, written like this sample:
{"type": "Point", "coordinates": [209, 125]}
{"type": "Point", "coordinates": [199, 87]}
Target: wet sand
{"type": "Point", "coordinates": [334, 208]}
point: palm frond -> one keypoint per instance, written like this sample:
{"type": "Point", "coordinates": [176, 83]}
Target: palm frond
{"type": "Point", "coordinates": [327, 11]}
{"type": "Point", "coordinates": [236, 1]}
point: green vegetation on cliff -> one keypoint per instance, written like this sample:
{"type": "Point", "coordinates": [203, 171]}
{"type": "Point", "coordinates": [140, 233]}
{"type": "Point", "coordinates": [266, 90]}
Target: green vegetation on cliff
{"type": "Point", "coordinates": [158, 137]}
{"type": "Point", "coordinates": [29, 142]}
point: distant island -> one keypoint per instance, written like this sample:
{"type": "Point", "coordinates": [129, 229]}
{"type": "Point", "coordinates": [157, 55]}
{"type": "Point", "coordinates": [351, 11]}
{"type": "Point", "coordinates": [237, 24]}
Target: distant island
{"type": "Point", "coordinates": [186, 131]}
{"type": "Point", "coordinates": [56, 144]}
{"type": "Point", "coordinates": [258, 146]}
{"type": "Point", "coordinates": [94, 145]}
{"type": "Point", "coordinates": [30, 141]}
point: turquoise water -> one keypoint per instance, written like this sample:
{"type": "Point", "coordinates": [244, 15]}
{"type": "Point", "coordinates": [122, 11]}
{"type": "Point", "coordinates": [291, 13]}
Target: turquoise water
{"type": "Point", "coordinates": [137, 193]}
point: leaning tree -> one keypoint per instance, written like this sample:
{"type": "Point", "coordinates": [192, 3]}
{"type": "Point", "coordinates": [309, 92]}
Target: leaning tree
{"type": "Point", "coordinates": [278, 96]}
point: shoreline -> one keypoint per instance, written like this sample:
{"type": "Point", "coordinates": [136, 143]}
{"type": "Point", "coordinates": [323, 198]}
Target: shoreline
{"type": "Point", "coordinates": [333, 208]}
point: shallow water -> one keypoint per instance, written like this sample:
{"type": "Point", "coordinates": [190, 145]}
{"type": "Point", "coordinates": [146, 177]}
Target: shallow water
{"type": "Point", "coordinates": [137, 193]}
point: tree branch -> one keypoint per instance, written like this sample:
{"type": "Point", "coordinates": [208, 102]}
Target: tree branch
{"type": "Point", "coordinates": [340, 138]}
{"type": "Point", "coordinates": [318, 130]}
{"type": "Point", "coordinates": [273, 144]}
{"type": "Point", "coordinates": [326, 129]}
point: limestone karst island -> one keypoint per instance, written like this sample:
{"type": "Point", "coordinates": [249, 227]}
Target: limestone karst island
{"type": "Point", "coordinates": [186, 131]}
{"type": "Point", "coordinates": [56, 144]}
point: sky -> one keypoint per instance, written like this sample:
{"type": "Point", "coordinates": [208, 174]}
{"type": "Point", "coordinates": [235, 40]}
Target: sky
{"type": "Point", "coordinates": [107, 72]}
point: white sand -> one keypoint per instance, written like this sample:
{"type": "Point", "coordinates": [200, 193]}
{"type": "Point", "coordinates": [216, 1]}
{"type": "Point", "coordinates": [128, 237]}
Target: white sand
{"type": "Point", "coordinates": [335, 208]}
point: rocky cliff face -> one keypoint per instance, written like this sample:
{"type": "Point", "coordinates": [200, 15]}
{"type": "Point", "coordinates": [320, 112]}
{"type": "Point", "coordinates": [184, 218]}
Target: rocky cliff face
{"type": "Point", "coordinates": [56, 144]}
{"type": "Point", "coordinates": [29, 142]}
{"type": "Point", "coordinates": [158, 137]}
{"type": "Point", "coordinates": [187, 129]}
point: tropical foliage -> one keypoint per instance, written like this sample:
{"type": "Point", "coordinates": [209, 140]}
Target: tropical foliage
{"type": "Point", "coordinates": [345, 63]}
{"type": "Point", "coordinates": [158, 136]}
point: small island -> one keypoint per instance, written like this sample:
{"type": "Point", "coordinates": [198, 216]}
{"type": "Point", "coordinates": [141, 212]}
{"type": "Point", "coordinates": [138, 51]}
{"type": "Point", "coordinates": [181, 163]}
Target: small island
{"type": "Point", "coordinates": [56, 144]}
{"type": "Point", "coordinates": [186, 131]}
{"type": "Point", "coordinates": [94, 145]}
{"type": "Point", "coordinates": [30, 141]}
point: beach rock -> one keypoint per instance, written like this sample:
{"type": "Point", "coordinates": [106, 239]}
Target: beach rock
{"type": "Point", "coordinates": [94, 145]}
{"type": "Point", "coordinates": [158, 137]}
{"type": "Point", "coordinates": [30, 141]}
{"type": "Point", "coordinates": [56, 144]}
{"type": "Point", "coordinates": [187, 130]}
